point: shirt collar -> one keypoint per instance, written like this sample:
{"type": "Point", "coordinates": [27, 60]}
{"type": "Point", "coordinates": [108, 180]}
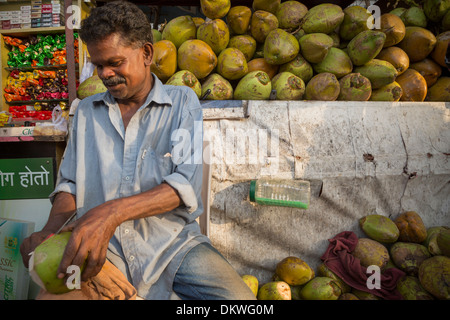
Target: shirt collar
{"type": "Point", "coordinates": [157, 95]}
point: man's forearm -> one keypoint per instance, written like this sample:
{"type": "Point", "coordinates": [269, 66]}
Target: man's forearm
{"type": "Point", "coordinates": [63, 206]}
{"type": "Point", "coordinates": [162, 198]}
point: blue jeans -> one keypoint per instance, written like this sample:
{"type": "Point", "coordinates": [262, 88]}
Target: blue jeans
{"type": "Point", "coordinates": [206, 275]}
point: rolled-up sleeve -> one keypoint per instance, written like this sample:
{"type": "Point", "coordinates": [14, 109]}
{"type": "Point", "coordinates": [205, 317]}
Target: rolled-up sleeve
{"type": "Point", "coordinates": [67, 170]}
{"type": "Point", "coordinates": [187, 150]}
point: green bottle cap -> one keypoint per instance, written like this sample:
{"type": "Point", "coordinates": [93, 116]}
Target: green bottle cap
{"type": "Point", "coordinates": [252, 190]}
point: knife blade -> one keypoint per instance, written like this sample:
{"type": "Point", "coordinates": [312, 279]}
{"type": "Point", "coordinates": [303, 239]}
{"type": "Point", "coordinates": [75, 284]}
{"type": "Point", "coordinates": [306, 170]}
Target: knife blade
{"type": "Point", "coordinates": [67, 222]}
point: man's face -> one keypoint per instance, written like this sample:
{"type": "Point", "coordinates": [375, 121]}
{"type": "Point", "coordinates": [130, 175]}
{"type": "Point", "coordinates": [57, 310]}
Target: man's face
{"type": "Point", "coordinates": [122, 68]}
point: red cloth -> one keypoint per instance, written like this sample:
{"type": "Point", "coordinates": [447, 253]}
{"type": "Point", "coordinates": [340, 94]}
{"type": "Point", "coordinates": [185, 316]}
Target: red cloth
{"type": "Point", "coordinates": [338, 258]}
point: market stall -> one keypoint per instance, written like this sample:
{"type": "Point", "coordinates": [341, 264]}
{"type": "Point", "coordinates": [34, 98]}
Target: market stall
{"type": "Point", "coordinates": [40, 67]}
{"type": "Point", "coordinates": [356, 100]}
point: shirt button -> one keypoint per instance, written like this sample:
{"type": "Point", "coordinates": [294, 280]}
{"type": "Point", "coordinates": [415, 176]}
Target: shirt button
{"type": "Point", "coordinates": [131, 258]}
{"type": "Point", "coordinates": [126, 231]}
{"type": "Point", "coordinates": [127, 178]}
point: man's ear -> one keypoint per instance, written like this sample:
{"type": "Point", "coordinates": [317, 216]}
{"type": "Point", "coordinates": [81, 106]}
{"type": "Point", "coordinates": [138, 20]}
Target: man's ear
{"type": "Point", "coordinates": [148, 54]}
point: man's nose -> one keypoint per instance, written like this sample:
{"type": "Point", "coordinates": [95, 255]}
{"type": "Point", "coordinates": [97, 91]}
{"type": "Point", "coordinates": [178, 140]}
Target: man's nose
{"type": "Point", "coordinates": [105, 72]}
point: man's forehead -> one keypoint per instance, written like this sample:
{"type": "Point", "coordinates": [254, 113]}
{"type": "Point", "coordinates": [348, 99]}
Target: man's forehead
{"type": "Point", "coordinates": [114, 40]}
{"type": "Point", "coordinates": [110, 47]}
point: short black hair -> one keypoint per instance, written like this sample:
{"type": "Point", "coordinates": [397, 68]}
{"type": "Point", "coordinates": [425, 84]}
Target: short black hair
{"type": "Point", "coordinates": [122, 17]}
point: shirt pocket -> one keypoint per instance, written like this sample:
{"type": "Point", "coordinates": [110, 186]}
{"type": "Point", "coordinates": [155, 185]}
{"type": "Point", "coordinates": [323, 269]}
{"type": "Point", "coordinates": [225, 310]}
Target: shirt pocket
{"type": "Point", "coordinates": [153, 165]}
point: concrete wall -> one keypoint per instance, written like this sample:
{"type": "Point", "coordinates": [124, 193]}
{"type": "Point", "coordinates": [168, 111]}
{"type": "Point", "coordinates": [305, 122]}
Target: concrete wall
{"type": "Point", "coordinates": [373, 157]}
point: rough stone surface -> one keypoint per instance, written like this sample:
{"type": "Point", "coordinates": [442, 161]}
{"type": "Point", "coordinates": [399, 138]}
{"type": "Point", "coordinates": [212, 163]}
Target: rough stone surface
{"type": "Point", "coordinates": [372, 157]}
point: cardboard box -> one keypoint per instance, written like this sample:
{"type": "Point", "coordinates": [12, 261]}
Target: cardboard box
{"type": "Point", "coordinates": [6, 24]}
{"type": "Point", "coordinates": [14, 277]}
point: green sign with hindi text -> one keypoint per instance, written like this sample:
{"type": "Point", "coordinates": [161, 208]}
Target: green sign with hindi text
{"type": "Point", "coordinates": [30, 178]}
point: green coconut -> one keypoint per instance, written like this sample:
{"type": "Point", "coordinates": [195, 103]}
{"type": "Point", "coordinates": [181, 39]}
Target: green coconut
{"type": "Point", "coordinates": [261, 24]}
{"type": "Point", "coordinates": [355, 21]}
{"type": "Point", "coordinates": [434, 276]}
{"type": "Point", "coordinates": [445, 23]}
{"type": "Point", "coordinates": [323, 18]}
{"type": "Point", "coordinates": [323, 86]}
{"type": "Point", "coordinates": [90, 86]}
{"type": "Point", "coordinates": [418, 43]}
{"type": "Point", "coordinates": [266, 5]}
{"type": "Point", "coordinates": [238, 19]}
{"type": "Point", "coordinates": [371, 252]}
{"type": "Point", "coordinates": [179, 29]}
{"type": "Point", "coordinates": [365, 46]}
{"type": "Point", "coordinates": [315, 46]}
{"type": "Point", "coordinates": [410, 289]}
{"type": "Point", "coordinates": [288, 86]}
{"type": "Point", "coordinates": [290, 14]}
{"type": "Point", "coordinates": [252, 282]}
{"type": "Point", "coordinates": [274, 290]}
{"type": "Point", "coordinates": [186, 78]}
{"type": "Point", "coordinates": [320, 288]}
{"type": "Point", "coordinates": [215, 33]}
{"type": "Point", "coordinates": [280, 47]}
{"type": "Point", "coordinates": [245, 43]}
{"type": "Point", "coordinates": [389, 92]}
{"type": "Point", "coordinates": [440, 91]}
{"type": "Point", "coordinates": [408, 256]}
{"type": "Point", "coordinates": [354, 87]}
{"type": "Point", "coordinates": [414, 16]}
{"type": "Point", "coordinates": [156, 35]}
{"type": "Point", "coordinates": [336, 62]}
{"type": "Point", "coordinates": [220, 88]}
{"type": "Point", "coordinates": [379, 72]}
{"type": "Point", "coordinates": [231, 64]}
{"type": "Point", "coordinates": [300, 67]}
{"type": "Point", "coordinates": [324, 271]}
{"type": "Point", "coordinates": [255, 85]}
{"type": "Point", "coordinates": [379, 228]}
{"type": "Point", "coordinates": [45, 261]}
{"type": "Point", "coordinates": [294, 271]}
{"type": "Point", "coordinates": [215, 9]}
{"type": "Point", "coordinates": [436, 9]}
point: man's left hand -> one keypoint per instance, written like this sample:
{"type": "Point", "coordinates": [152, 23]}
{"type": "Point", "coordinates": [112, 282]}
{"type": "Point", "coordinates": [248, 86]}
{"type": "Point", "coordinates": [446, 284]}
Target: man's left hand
{"type": "Point", "coordinates": [89, 241]}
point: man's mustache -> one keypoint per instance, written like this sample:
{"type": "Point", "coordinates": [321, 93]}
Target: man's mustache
{"type": "Point", "coordinates": [113, 81]}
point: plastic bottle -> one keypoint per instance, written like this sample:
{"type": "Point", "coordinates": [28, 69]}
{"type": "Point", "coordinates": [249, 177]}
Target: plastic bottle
{"type": "Point", "coordinates": [277, 192]}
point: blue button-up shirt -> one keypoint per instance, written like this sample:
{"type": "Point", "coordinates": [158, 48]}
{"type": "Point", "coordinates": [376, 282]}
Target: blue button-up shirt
{"type": "Point", "coordinates": [103, 161]}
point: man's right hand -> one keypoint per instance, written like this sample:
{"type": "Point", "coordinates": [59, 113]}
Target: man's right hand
{"type": "Point", "coordinates": [29, 244]}
{"type": "Point", "coordinates": [62, 209]}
